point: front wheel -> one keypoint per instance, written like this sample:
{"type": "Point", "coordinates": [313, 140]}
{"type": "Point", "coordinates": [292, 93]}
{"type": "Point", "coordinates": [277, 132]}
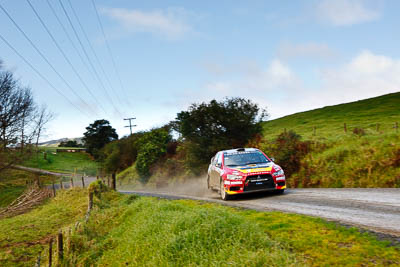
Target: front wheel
{"type": "Point", "coordinates": [224, 194]}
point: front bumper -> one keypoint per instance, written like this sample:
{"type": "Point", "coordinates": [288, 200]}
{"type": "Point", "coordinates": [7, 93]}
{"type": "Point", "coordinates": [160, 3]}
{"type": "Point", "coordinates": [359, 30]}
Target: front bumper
{"type": "Point", "coordinates": [252, 184]}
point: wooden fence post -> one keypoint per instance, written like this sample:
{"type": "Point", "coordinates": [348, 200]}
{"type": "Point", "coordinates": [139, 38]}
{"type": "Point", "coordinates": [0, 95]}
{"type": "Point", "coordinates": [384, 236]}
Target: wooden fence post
{"type": "Point", "coordinates": [83, 181]}
{"type": "Point", "coordinates": [50, 252]}
{"type": "Point", "coordinates": [72, 182]}
{"type": "Point", "coordinates": [61, 184]}
{"type": "Point", "coordinates": [60, 247]}
{"type": "Point", "coordinates": [114, 181]}
{"type": "Point", "coordinates": [345, 127]}
{"type": "Point", "coordinates": [54, 189]}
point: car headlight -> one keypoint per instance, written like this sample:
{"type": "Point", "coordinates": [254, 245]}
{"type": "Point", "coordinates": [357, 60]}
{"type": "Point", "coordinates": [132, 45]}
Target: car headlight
{"type": "Point", "coordinates": [233, 177]}
{"type": "Point", "coordinates": [280, 172]}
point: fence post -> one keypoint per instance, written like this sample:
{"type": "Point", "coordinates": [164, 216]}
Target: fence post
{"type": "Point", "coordinates": [113, 181]}
{"type": "Point", "coordinates": [61, 184]}
{"type": "Point", "coordinates": [54, 189]}
{"type": "Point", "coordinates": [50, 252]}
{"type": "Point", "coordinates": [83, 181]}
{"type": "Point", "coordinates": [72, 181]}
{"type": "Point", "coordinates": [345, 127]}
{"type": "Point", "coordinates": [60, 246]}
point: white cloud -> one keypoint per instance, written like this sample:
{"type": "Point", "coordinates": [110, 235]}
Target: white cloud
{"type": "Point", "coordinates": [305, 51]}
{"type": "Point", "coordinates": [170, 23]}
{"type": "Point", "coordinates": [284, 91]}
{"type": "Point", "coordinates": [347, 12]}
{"type": "Point", "coordinates": [366, 75]}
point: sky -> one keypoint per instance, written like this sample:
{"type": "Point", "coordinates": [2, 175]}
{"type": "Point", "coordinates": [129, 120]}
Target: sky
{"type": "Point", "coordinates": [159, 57]}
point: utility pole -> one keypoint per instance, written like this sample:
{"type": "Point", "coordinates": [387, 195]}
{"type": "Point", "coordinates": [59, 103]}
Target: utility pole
{"type": "Point", "coordinates": [130, 123]}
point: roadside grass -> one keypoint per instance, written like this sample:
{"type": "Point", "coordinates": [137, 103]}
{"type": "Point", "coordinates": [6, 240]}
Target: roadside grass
{"type": "Point", "coordinates": [23, 237]}
{"type": "Point", "coordinates": [366, 161]}
{"type": "Point", "coordinates": [14, 182]}
{"type": "Point", "coordinates": [144, 231]}
{"type": "Point", "coordinates": [65, 162]}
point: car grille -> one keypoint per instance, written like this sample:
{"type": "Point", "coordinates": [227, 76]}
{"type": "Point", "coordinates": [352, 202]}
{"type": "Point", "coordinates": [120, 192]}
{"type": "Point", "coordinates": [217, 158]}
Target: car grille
{"type": "Point", "coordinates": [234, 188]}
{"type": "Point", "coordinates": [259, 182]}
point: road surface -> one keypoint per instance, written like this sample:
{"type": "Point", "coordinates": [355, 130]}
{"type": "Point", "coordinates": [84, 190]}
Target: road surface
{"type": "Point", "coordinates": [377, 210]}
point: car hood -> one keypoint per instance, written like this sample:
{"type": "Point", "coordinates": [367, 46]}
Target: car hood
{"type": "Point", "coordinates": [261, 167]}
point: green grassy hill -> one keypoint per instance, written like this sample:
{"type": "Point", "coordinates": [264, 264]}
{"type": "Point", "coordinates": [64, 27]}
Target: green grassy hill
{"type": "Point", "coordinates": [346, 159]}
{"type": "Point", "coordinates": [329, 121]}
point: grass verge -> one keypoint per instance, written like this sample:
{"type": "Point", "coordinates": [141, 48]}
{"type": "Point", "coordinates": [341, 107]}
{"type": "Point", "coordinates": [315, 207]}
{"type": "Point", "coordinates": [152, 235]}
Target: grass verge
{"type": "Point", "coordinates": [143, 231]}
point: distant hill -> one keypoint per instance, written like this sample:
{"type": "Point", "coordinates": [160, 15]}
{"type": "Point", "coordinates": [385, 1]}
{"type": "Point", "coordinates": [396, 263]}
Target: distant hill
{"type": "Point", "coordinates": [55, 143]}
{"type": "Point", "coordinates": [329, 121]}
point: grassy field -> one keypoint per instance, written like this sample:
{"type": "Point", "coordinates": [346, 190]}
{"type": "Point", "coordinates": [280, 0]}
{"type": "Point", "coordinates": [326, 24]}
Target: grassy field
{"type": "Point", "coordinates": [14, 182]}
{"type": "Point", "coordinates": [23, 237]}
{"type": "Point", "coordinates": [346, 159]}
{"type": "Point", "coordinates": [62, 161]}
{"type": "Point", "coordinates": [329, 121]}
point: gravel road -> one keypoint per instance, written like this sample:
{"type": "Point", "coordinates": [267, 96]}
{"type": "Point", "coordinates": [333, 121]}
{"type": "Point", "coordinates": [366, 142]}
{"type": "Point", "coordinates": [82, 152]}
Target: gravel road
{"type": "Point", "coordinates": [377, 210]}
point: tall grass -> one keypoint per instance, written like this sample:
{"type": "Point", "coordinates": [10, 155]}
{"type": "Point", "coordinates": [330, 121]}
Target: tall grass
{"type": "Point", "coordinates": [142, 231]}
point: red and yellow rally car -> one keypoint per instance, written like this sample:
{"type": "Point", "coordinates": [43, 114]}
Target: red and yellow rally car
{"type": "Point", "coordinates": [244, 170]}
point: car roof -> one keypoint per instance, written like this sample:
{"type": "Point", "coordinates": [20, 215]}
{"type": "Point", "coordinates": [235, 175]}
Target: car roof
{"type": "Point", "coordinates": [230, 151]}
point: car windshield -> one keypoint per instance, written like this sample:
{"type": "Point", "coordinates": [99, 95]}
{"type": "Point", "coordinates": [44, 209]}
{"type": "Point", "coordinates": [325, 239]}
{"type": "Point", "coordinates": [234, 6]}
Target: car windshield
{"type": "Point", "coordinates": [244, 158]}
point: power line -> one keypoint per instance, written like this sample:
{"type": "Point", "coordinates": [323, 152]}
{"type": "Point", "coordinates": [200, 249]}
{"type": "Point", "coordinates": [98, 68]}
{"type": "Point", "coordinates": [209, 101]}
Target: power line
{"type": "Point", "coordinates": [65, 56]}
{"type": "Point", "coordinates": [88, 58]}
{"type": "Point", "coordinates": [42, 55]}
{"type": "Point", "coordinates": [94, 52]}
{"type": "Point", "coordinates": [130, 123]}
{"type": "Point", "coordinates": [70, 39]}
{"type": "Point", "coordinates": [110, 52]}
{"type": "Point", "coordinates": [42, 76]}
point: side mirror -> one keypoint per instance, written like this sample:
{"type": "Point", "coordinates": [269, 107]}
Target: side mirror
{"type": "Point", "coordinates": [273, 159]}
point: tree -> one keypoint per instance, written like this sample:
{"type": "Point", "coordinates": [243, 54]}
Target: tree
{"type": "Point", "coordinates": [16, 110]}
{"type": "Point", "coordinates": [69, 143]}
{"type": "Point", "coordinates": [98, 134]}
{"type": "Point", "coordinates": [210, 127]}
{"type": "Point", "coordinates": [43, 117]}
{"type": "Point", "coordinates": [151, 147]}
{"type": "Point", "coordinates": [19, 119]}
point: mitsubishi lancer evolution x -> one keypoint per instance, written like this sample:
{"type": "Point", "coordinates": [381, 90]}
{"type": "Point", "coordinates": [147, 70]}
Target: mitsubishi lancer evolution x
{"type": "Point", "coordinates": [244, 170]}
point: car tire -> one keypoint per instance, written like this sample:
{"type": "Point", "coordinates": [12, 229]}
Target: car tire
{"type": "Point", "coordinates": [280, 191]}
{"type": "Point", "coordinates": [222, 192]}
